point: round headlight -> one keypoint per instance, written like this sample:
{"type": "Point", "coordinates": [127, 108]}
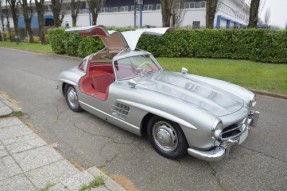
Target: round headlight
{"type": "Point", "coordinates": [217, 128]}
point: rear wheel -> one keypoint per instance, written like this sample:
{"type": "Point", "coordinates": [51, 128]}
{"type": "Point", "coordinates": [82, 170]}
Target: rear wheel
{"type": "Point", "coordinates": [167, 138]}
{"type": "Point", "coordinates": [72, 98]}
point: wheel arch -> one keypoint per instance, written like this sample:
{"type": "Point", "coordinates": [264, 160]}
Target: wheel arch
{"type": "Point", "coordinates": [153, 111]}
{"type": "Point", "coordinates": [66, 83]}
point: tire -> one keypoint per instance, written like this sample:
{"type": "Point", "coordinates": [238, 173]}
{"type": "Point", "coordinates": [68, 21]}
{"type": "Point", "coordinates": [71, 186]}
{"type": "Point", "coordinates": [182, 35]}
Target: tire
{"type": "Point", "coordinates": [72, 98]}
{"type": "Point", "coordinates": [167, 138]}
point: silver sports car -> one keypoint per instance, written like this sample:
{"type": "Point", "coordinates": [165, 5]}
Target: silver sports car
{"type": "Point", "coordinates": [179, 112]}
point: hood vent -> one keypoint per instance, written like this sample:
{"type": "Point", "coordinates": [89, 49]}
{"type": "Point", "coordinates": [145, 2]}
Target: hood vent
{"type": "Point", "coordinates": [120, 110]}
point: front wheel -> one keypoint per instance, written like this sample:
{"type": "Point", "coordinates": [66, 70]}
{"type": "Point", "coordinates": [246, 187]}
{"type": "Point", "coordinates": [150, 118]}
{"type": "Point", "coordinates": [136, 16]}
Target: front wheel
{"type": "Point", "coordinates": [72, 98]}
{"type": "Point", "coordinates": [167, 138]}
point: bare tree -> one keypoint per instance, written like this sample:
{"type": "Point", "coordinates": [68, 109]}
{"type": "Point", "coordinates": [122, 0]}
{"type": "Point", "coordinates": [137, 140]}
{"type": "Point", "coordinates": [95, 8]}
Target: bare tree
{"type": "Point", "coordinates": [14, 11]}
{"type": "Point", "coordinates": [75, 7]}
{"type": "Point", "coordinates": [253, 15]}
{"type": "Point", "coordinates": [2, 16]}
{"type": "Point", "coordinates": [211, 8]}
{"type": "Point", "coordinates": [267, 16]}
{"type": "Point", "coordinates": [177, 13]}
{"type": "Point", "coordinates": [171, 12]}
{"type": "Point", "coordinates": [28, 14]}
{"type": "Point", "coordinates": [95, 7]}
{"type": "Point", "coordinates": [40, 8]}
{"type": "Point", "coordinates": [8, 22]}
{"type": "Point", "coordinates": [57, 12]}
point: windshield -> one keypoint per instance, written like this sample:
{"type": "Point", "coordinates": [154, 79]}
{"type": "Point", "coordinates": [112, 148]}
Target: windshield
{"type": "Point", "coordinates": [135, 66]}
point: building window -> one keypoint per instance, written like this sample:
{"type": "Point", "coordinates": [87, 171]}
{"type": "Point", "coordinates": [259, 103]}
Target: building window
{"type": "Point", "coordinates": [197, 4]}
{"type": "Point", "coordinates": [158, 6]}
{"type": "Point", "coordinates": [148, 7]}
{"type": "Point", "coordinates": [132, 8]}
{"type": "Point", "coordinates": [196, 24]}
{"type": "Point", "coordinates": [124, 8]}
{"type": "Point", "coordinates": [116, 9]}
{"type": "Point", "coordinates": [104, 9]}
{"type": "Point", "coordinates": [202, 4]}
{"type": "Point", "coordinates": [194, 4]}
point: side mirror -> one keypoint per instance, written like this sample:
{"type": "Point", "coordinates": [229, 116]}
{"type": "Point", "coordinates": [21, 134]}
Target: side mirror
{"type": "Point", "coordinates": [132, 83]}
{"type": "Point", "coordinates": [184, 70]}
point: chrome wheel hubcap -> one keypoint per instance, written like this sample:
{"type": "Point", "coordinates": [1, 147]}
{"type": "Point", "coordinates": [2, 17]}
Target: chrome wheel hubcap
{"type": "Point", "coordinates": [72, 97]}
{"type": "Point", "coordinates": [165, 136]}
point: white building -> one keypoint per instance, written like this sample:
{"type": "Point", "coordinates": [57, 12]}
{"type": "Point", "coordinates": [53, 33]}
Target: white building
{"type": "Point", "coordinates": [192, 13]}
{"type": "Point", "coordinates": [230, 13]}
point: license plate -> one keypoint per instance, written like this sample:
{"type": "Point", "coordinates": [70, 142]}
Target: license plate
{"type": "Point", "coordinates": [243, 137]}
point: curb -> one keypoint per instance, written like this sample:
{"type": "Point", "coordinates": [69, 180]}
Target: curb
{"type": "Point", "coordinates": [269, 94]}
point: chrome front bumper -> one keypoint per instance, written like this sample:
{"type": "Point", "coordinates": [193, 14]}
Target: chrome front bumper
{"type": "Point", "coordinates": [221, 151]}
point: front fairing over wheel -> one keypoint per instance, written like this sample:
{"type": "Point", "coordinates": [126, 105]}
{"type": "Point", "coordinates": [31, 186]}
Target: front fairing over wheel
{"type": "Point", "coordinates": [167, 138]}
{"type": "Point", "coordinates": [72, 98]}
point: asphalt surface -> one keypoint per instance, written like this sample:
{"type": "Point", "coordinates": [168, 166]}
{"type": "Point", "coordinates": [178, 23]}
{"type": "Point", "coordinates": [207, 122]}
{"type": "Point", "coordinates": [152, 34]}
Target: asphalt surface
{"type": "Point", "coordinates": [260, 163]}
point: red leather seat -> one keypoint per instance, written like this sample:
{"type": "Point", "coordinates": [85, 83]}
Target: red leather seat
{"type": "Point", "coordinates": [101, 81]}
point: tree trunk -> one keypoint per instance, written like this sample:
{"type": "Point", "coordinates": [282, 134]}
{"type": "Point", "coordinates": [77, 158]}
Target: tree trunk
{"type": "Point", "coordinates": [40, 8]}
{"type": "Point", "coordinates": [74, 20]}
{"type": "Point", "coordinates": [211, 8]}
{"type": "Point", "coordinates": [2, 17]}
{"type": "Point", "coordinates": [56, 10]}
{"type": "Point", "coordinates": [8, 23]}
{"type": "Point", "coordinates": [165, 12]}
{"type": "Point", "coordinates": [13, 8]}
{"type": "Point", "coordinates": [27, 18]}
{"type": "Point", "coordinates": [253, 15]}
{"type": "Point", "coordinates": [95, 7]}
{"type": "Point", "coordinates": [29, 30]}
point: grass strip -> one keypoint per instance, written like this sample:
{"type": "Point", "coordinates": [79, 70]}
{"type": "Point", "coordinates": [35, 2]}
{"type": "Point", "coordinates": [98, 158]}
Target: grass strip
{"type": "Point", "coordinates": [253, 75]}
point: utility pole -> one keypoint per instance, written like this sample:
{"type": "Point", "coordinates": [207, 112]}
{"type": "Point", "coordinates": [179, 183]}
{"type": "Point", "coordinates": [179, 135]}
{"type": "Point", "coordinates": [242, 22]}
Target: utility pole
{"type": "Point", "coordinates": [135, 13]}
{"type": "Point", "coordinates": [140, 2]}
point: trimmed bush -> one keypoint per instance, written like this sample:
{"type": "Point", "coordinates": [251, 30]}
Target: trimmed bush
{"type": "Point", "coordinates": [89, 45]}
{"type": "Point", "coordinates": [255, 44]}
{"type": "Point", "coordinates": [57, 39]}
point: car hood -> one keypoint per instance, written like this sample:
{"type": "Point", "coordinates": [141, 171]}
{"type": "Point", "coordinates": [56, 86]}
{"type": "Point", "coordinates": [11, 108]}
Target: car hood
{"type": "Point", "coordinates": [197, 93]}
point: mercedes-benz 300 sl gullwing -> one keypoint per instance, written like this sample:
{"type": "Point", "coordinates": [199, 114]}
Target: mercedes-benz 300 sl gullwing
{"type": "Point", "coordinates": [179, 112]}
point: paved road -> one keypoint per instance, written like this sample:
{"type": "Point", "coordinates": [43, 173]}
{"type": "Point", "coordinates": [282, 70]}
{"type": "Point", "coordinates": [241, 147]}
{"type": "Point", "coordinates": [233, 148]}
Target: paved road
{"type": "Point", "coordinates": [258, 164]}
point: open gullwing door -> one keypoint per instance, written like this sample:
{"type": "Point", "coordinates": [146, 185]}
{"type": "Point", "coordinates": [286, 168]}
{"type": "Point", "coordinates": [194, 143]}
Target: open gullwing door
{"type": "Point", "coordinates": [114, 40]}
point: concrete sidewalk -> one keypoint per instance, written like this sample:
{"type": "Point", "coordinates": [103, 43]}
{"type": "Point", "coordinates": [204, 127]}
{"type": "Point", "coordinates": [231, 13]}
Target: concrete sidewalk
{"type": "Point", "coordinates": [27, 162]}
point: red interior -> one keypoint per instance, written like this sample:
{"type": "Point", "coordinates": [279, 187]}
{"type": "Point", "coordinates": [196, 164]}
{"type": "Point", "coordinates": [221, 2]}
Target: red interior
{"type": "Point", "coordinates": [97, 80]}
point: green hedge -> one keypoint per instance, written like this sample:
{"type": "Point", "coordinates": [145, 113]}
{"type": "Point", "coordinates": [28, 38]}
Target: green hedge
{"type": "Point", "coordinates": [255, 44]}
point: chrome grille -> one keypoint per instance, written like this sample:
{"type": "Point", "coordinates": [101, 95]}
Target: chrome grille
{"type": "Point", "coordinates": [120, 110]}
{"type": "Point", "coordinates": [233, 130]}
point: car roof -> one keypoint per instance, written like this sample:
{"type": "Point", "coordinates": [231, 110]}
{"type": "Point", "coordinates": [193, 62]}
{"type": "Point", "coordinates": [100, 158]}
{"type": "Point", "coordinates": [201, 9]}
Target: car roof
{"type": "Point", "coordinates": [114, 40]}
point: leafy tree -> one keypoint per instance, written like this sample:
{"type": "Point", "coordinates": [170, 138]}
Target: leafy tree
{"type": "Point", "coordinates": [57, 12]}
{"type": "Point", "coordinates": [75, 7]}
{"type": "Point", "coordinates": [211, 8]}
{"type": "Point", "coordinates": [95, 7]}
{"type": "Point", "coordinates": [253, 15]}
{"type": "Point", "coordinates": [28, 14]}
{"type": "Point", "coordinates": [40, 8]}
